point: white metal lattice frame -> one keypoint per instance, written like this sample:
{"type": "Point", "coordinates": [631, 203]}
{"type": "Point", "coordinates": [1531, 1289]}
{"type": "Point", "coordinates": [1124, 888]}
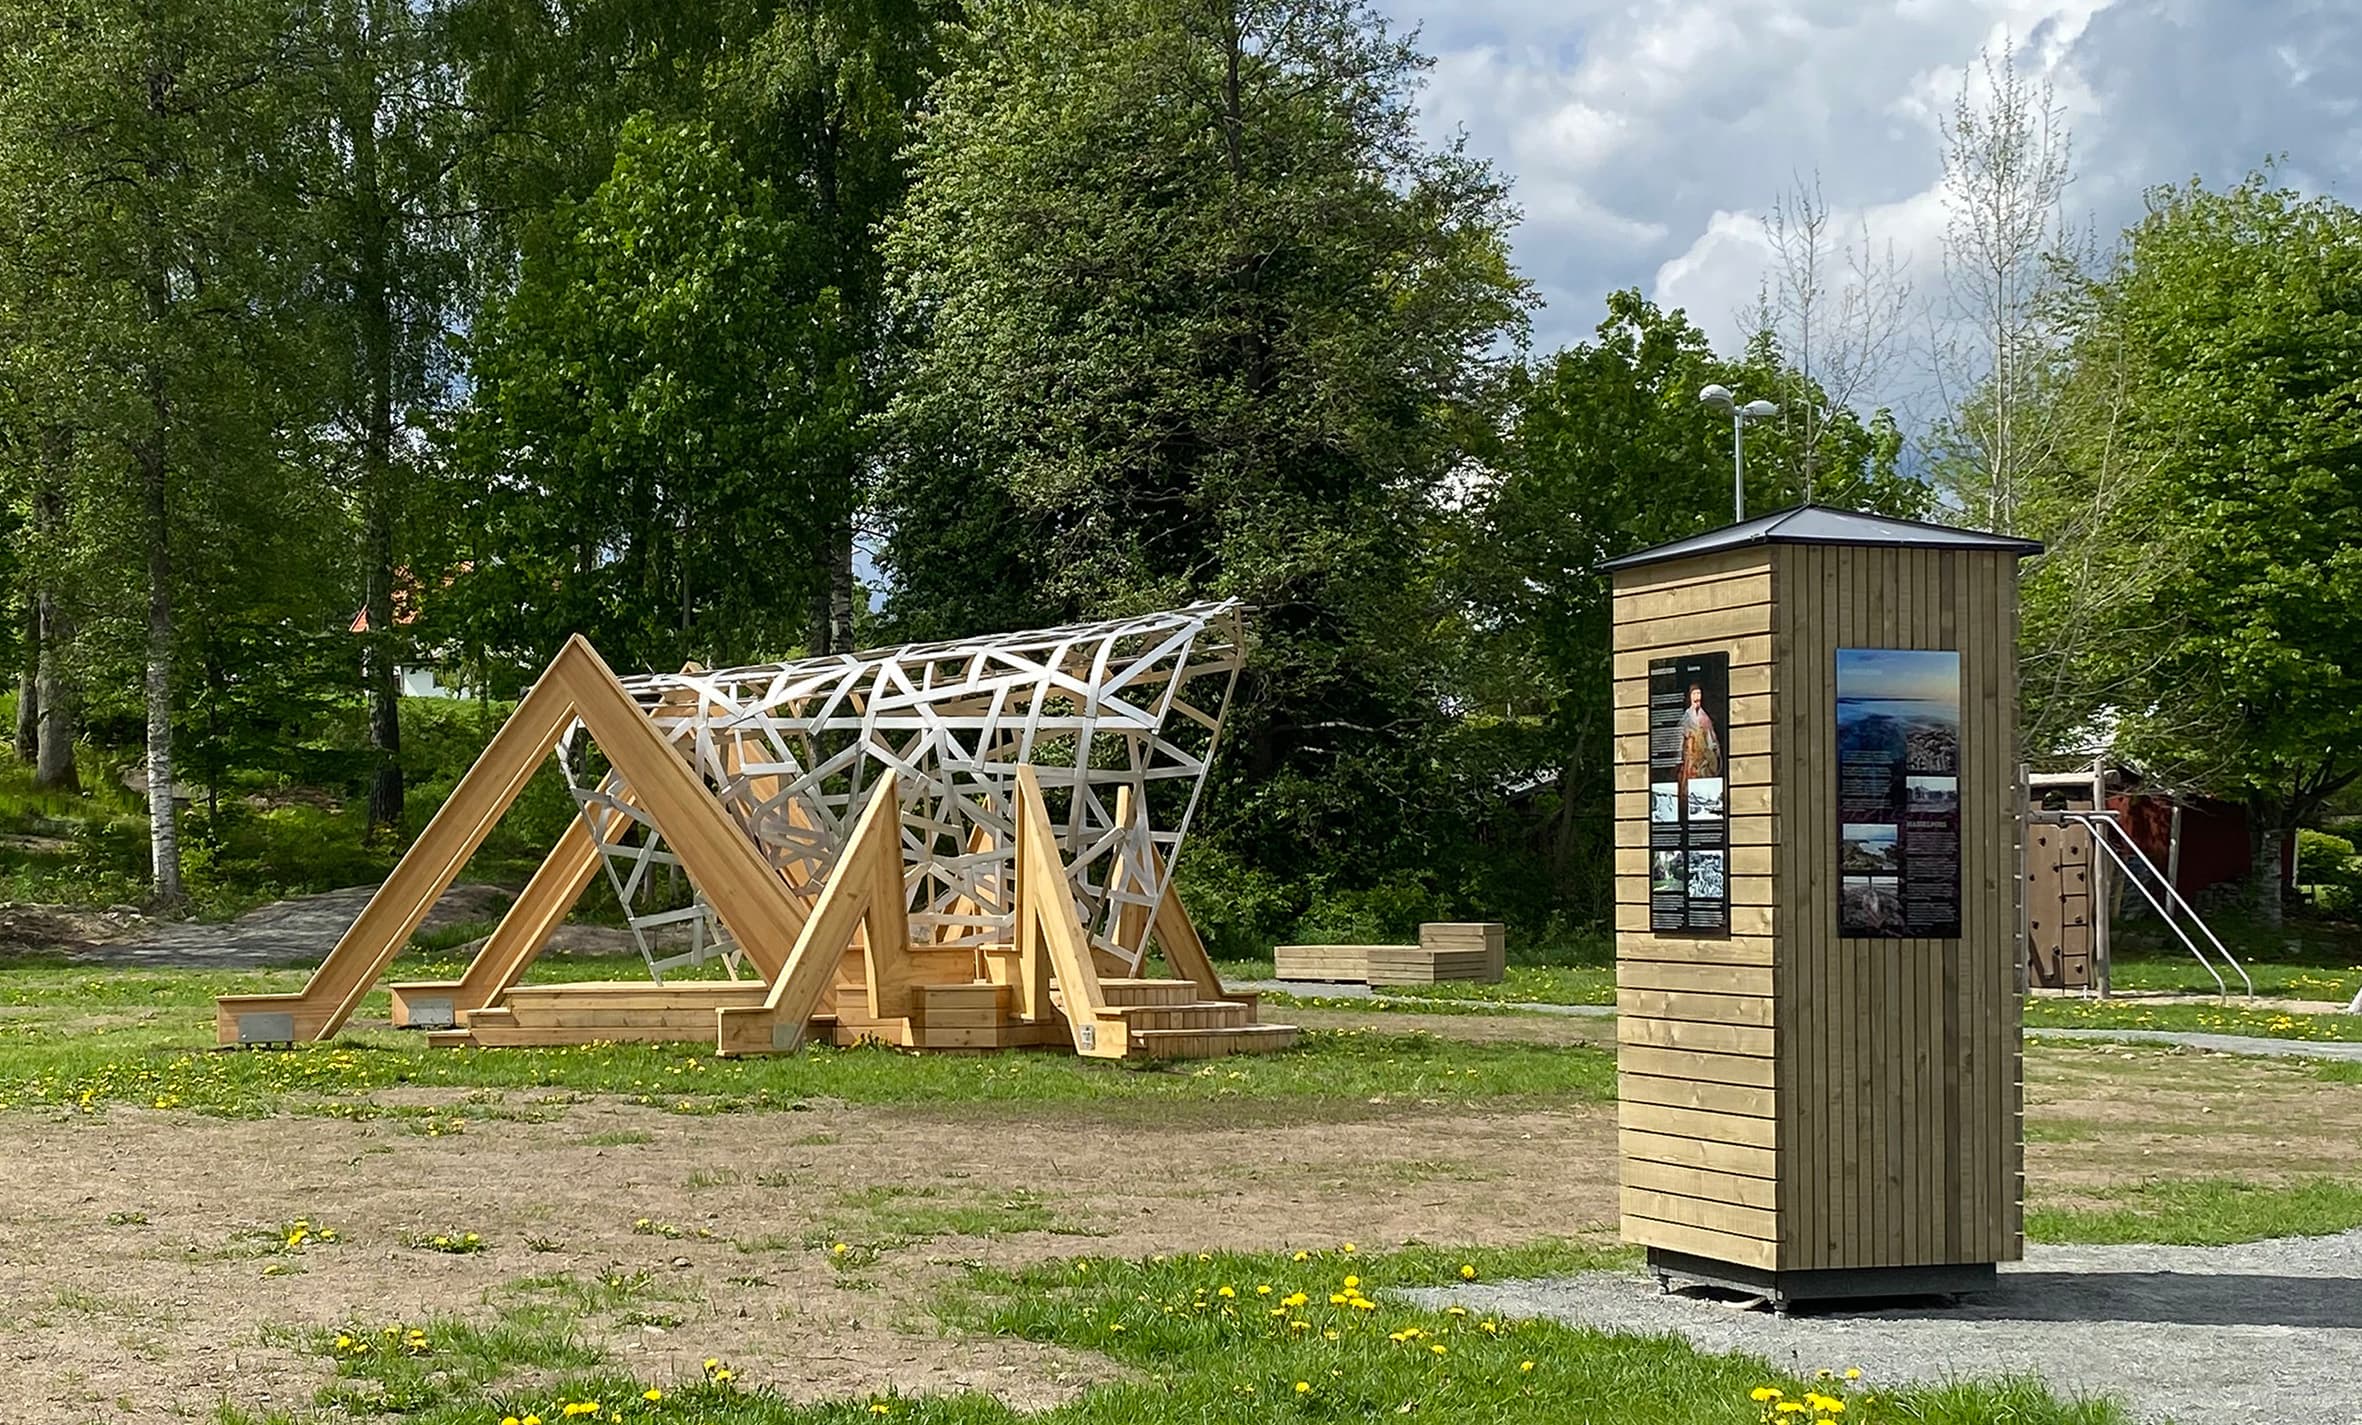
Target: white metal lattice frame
{"type": "Point", "coordinates": [1120, 715]}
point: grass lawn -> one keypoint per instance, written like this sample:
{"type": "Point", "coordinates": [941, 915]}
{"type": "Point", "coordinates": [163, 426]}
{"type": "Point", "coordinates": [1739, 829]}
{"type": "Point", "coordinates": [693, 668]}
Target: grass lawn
{"type": "Point", "coordinates": [1303, 1336]}
{"type": "Point", "coordinates": [2204, 1213]}
{"type": "Point", "coordinates": [1587, 983]}
{"type": "Point", "coordinates": [83, 1037]}
{"type": "Point", "coordinates": [2306, 958]}
{"type": "Point", "coordinates": [2225, 1018]}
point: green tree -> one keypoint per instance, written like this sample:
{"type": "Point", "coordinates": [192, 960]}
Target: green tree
{"type": "Point", "coordinates": [823, 104]}
{"type": "Point", "coordinates": [2202, 602]}
{"type": "Point", "coordinates": [658, 413]}
{"type": "Point", "coordinates": [145, 147]}
{"type": "Point", "coordinates": [1610, 452]}
{"type": "Point", "coordinates": [385, 136]}
{"type": "Point", "coordinates": [1197, 312]}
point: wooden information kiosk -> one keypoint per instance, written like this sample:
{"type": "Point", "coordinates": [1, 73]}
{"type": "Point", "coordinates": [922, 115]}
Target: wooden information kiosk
{"type": "Point", "coordinates": [1819, 950]}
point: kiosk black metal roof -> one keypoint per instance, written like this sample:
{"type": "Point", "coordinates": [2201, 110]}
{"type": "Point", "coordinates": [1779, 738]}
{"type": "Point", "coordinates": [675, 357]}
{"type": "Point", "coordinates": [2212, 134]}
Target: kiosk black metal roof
{"type": "Point", "coordinates": [1819, 524]}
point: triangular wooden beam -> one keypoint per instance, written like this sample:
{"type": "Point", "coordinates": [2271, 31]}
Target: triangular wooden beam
{"type": "Point", "coordinates": [864, 892]}
{"type": "Point", "coordinates": [1050, 938]}
{"type": "Point", "coordinates": [752, 900]}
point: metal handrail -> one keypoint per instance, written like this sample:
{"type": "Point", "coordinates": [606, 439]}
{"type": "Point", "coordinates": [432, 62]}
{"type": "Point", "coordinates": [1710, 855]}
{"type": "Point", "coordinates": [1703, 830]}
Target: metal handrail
{"type": "Point", "coordinates": [2093, 822]}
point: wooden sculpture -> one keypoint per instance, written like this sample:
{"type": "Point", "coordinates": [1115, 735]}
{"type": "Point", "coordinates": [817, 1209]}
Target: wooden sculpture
{"type": "Point", "coordinates": [940, 846]}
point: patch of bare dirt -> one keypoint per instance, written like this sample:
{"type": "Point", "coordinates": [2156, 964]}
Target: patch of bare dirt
{"type": "Point", "coordinates": [177, 1312]}
{"type": "Point", "coordinates": [2104, 1116]}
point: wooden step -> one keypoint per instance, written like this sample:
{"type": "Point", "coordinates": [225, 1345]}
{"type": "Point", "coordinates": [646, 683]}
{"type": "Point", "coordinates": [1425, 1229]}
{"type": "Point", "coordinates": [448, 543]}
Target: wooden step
{"type": "Point", "coordinates": [1414, 965]}
{"type": "Point", "coordinates": [528, 1001]}
{"type": "Point", "coordinates": [1117, 990]}
{"type": "Point", "coordinates": [1199, 1014]}
{"type": "Point", "coordinates": [1211, 1043]}
{"type": "Point", "coordinates": [1339, 963]}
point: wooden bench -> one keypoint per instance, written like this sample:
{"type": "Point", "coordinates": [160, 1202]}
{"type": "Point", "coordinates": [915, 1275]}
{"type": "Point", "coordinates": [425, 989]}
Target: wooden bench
{"type": "Point", "coordinates": [1447, 950]}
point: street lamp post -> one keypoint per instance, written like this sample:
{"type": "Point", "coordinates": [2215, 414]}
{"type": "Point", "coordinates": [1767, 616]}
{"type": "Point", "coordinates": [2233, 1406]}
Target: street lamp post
{"type": "Point", "coordinates": [1720, 397]}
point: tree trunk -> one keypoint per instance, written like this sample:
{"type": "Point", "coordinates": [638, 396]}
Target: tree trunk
{"type": "Point", "coordinates": [54, 768]}
{"type": "Point", "coordinates": [840, 587]}
{"type": "Point", "coordinates": [821, 625]}
{"type": "Point", "coordinates": [53, 762]}
{"type": "Point", "coordinates": [28, 688]}
{"type": "Point", "coordinates": [163, 812]}
{"type": "Point", "coordinates": [2264, 876]}
{"type": "Point", "coordinates": [374, 318]}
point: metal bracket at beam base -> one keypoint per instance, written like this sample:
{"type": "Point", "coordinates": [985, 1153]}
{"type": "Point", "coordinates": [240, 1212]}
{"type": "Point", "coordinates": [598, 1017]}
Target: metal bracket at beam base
{"type": "Point", "coordinates": [266, 1028]}
{"type": "Point", "coordinates": [1785, 1289]}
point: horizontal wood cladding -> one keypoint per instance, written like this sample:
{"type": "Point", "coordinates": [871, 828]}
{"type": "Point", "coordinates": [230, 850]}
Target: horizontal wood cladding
{"type": "Point", "coordinates": [1699, 1111]}
{"type": "Point", "coordinates": [1696, 977]}
{"type": "Point", "coordinates": [1751, 1010]}
{"type": "Point", "coordinates": [1691, 629]}
{"type": "Point", "coordinates": [1696, 1093]}
{"type": "Point", "coordinates": [1754, 651]}
{"type": "Point", "coordinates": [1735, 1188]}
{"type": "Point", "coordinates": [1694, 1034]}
{"type": "Point", "coordinates": [1718, 1246]}
{"type": "Point", "coordinates": [1681, 574]}
{"type": "Point", "coordinates": [1704, 950]}
{"type": "Point", "coordinates": [1738, 1220]}
{"type": "Point", "coordinates": [1738, 1069]}
{"type": "Point", "coordinates": [1714, 1154]}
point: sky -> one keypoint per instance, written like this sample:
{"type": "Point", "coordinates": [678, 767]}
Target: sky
{"type": "Point", "coordinates": [1646, 140]}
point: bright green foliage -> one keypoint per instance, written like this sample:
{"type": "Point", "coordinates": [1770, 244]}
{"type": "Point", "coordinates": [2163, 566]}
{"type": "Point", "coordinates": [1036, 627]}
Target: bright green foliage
{"type": "Point", "coordinates": [1196, 313]}
{"type": "Point", "coordinates": [660, 405]}
{"type": "Point", "coordinates": [1312, 1335]}
{"type": "Point", "coordinates": [2206, 594]}
{"type": "Point", "coordinates": [1610, 453]}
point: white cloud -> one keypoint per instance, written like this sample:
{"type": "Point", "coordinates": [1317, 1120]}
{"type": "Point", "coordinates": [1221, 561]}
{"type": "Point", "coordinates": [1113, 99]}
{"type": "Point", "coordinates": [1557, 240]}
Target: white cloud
{"type": "Point", "coordinates": [1647, 138]}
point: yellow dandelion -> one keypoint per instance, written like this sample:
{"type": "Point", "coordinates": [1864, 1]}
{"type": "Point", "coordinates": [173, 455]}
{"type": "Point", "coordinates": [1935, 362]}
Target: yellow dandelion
{"type": "Point", "coordinates": [1440, 1348]}
{"type": "Point", "coordinates": [651, 1395]}
{"type": "Point", "coordinates": [1763, 1393]}
{"type": "Point", "coordinates": [1352, 1282]}
{"type": "Point", "coordinates": [1525, 1365]}
{"type": "Point", "coordinates": [1303, 1387]}
{"type": "Point", "coordinates": [1467, 1272]}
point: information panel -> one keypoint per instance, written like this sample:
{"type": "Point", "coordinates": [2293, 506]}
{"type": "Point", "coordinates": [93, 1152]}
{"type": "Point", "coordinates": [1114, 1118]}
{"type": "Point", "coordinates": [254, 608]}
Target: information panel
{"type": "Point", "coordinates": [1688, 830]}
{"type": "Point", "coordinates": [1898, 793]}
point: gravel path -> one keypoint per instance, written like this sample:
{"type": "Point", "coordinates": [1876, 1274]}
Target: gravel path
{"type": "Point", "coordinates": [296, 932]}
{"type": "Point", "coordinates": [2262, 1332]}
{"type": "Point", "coordinates": [1321, 989]}
{"type": "Point", "coordinates": [2225, 1043]}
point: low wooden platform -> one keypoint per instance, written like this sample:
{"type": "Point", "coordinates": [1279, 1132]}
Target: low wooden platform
{"type": "Point", "coordinates": [1447, 950]}
{"type": "Point", "coordinates": [1341, 964]}
{"type": "Point", "coordinates": [1159, 1019]}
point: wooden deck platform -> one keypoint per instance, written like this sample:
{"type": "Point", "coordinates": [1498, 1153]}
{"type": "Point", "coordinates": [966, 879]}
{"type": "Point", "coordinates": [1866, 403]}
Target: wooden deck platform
{"type": "Point", "coordinates": [1160, 1019]}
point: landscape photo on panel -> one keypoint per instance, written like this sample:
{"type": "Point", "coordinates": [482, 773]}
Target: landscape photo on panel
{"type": "Point", "coordinates": [1688, 783]}
{"type": "Point", "coordinates": [1898, 792]}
